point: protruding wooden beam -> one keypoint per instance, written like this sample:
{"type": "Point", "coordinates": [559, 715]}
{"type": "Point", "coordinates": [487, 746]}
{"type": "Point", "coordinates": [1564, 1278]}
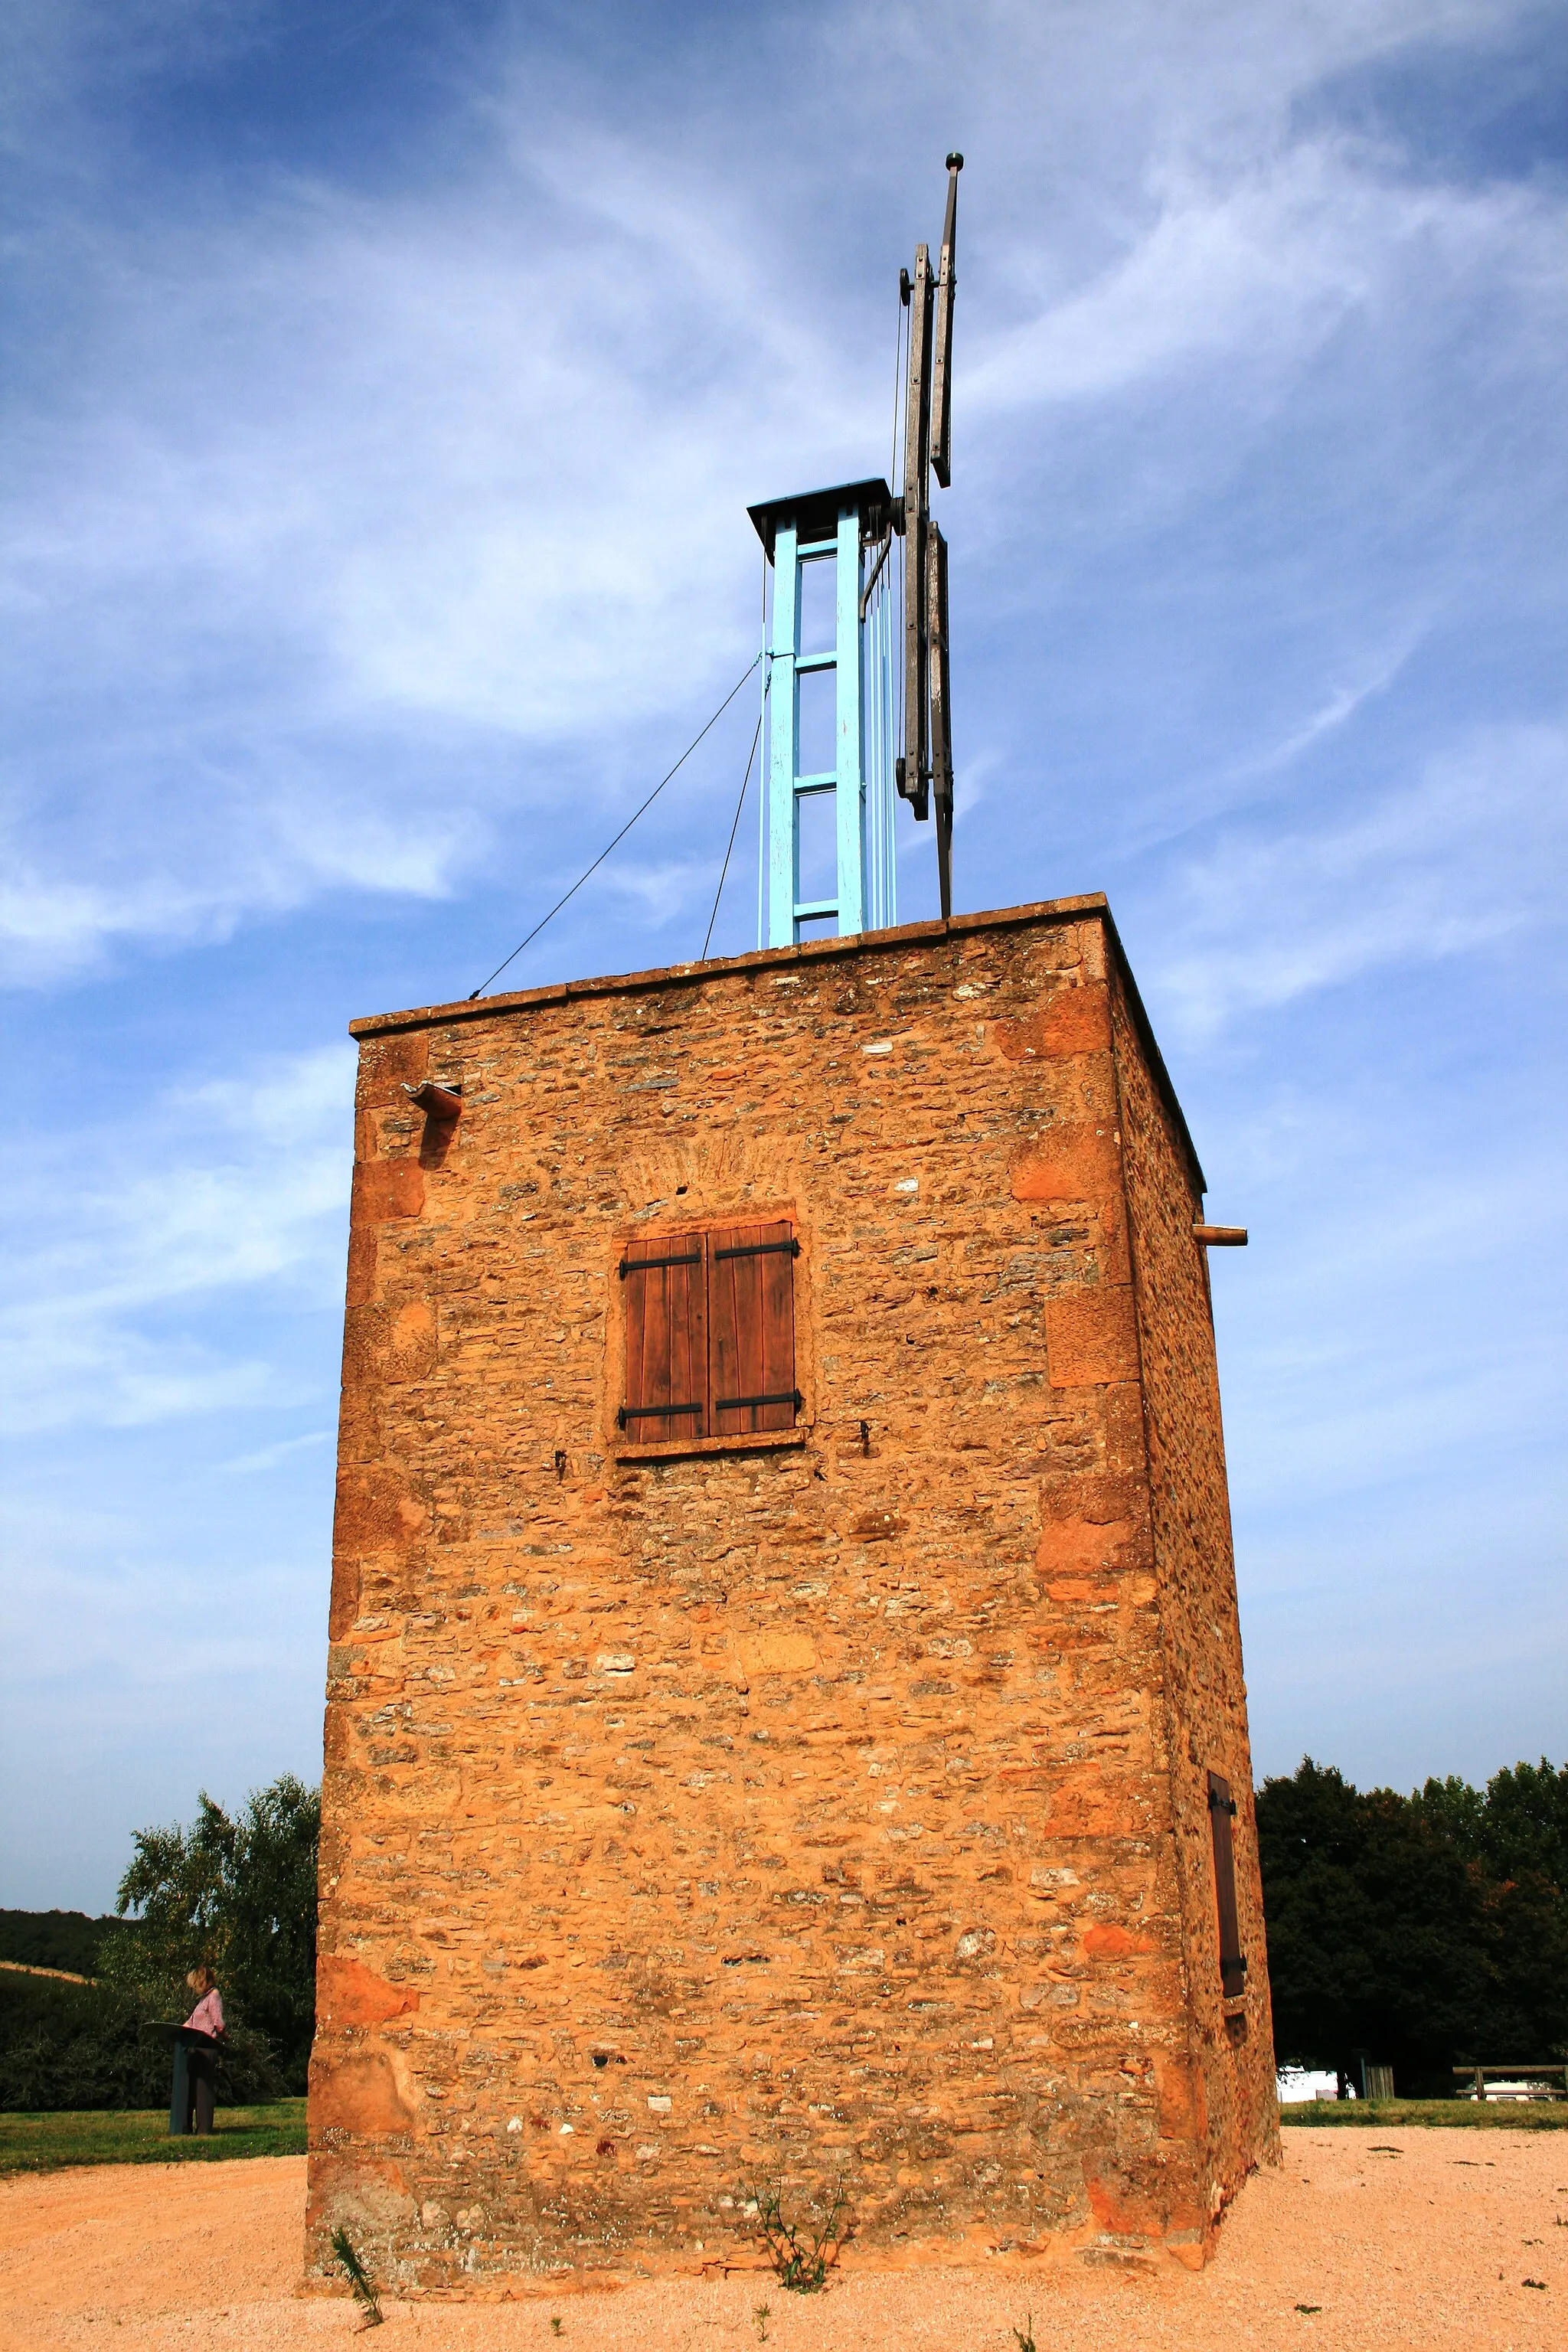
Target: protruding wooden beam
{"type": "Point", "coordinates": [437, 1101]}
{"type": "Point", "coordinates": [1221, 1236]}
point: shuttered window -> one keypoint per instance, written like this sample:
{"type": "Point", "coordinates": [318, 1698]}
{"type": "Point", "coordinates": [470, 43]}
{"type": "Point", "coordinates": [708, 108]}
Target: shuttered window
{"type": "Point", "coordinates": [751, 1328]}
{"type": "Point", "coordinates": [1222, 1813]}
{"type": "Point", "coordinates": [709, 1333]}
{"type": "Point", "coordinates": [666, 1339]}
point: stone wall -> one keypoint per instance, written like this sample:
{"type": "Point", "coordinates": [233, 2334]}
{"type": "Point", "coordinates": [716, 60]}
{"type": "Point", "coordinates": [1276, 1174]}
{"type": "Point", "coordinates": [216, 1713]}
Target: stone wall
{"type": "Point", "coordinates": [1232, 2083]}
{"type": "Point", "coordinates": [818, 1807]}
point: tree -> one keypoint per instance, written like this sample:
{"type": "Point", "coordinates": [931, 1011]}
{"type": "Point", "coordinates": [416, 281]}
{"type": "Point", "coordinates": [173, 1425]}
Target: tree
{"type": "Point", "coordinates": [1514, 1836]}
{"type": "Point", "coordinates": [1374, 1929]}
{"type": "Point", "coordinates": [1524, 1824]}
{"type": "Point", "coordinates": [1426, 1930]}
{"type": "Point", "coordinates": [238, 1894]}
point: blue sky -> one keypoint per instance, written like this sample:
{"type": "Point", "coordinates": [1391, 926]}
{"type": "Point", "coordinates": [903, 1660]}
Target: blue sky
{"type": "Point", "coordinates": [386, 384]}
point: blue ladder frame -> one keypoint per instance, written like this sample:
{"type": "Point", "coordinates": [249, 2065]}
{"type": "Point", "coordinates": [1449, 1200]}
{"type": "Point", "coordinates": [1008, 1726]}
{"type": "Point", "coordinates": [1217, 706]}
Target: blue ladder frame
{"type": "Point", "coordinates": [864, 895]}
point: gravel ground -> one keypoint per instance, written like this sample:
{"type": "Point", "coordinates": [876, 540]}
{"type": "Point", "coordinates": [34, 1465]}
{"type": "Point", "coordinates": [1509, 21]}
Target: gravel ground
{"type": "Point", "coordinates": [1423, 2240]}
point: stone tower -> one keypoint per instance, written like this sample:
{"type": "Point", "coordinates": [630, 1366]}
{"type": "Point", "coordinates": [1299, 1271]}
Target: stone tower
{"type": "Point", "coordinates": [785, 1717]}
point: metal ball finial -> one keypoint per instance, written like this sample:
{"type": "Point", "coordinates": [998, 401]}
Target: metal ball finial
{"type": "Point", "coordinates": [955, 162]}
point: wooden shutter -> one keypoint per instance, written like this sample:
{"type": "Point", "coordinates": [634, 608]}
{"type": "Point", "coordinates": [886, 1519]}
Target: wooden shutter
{"type": "Point", "coordinates": [665, 1280]}
{"type": "Point", "coordinates": [1222, 1812]}
{"type": "Point", "coordinates": [751, 1328]}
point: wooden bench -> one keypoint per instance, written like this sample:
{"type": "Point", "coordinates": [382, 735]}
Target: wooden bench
{"type": "Point", "coordinates": [1548, 2082]}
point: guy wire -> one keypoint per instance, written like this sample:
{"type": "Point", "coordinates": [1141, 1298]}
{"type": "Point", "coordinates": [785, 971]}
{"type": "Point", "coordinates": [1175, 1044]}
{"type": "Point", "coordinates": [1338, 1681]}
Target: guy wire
{"type": "Point", "coordinates": [626, 828]}
{"type": "Point", "coordinates": [762, 796]}
{"type": "Point", "coordinates": [740, 804]}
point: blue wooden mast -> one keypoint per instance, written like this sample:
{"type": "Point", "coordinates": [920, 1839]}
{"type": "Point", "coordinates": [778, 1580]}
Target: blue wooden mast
{"type": "Point", "coordinates": [848, 529]}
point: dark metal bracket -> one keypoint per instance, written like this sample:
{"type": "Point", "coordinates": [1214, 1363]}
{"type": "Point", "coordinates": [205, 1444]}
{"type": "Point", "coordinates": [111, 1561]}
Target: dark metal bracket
{"type": "Point", "coordinates": [647, 1265]}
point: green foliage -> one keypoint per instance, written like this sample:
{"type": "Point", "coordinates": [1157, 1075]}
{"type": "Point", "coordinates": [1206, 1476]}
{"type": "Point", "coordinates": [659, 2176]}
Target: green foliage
{"type": "Point", "coordinates": [239, 1894]}
{"type": "Point", "coordinates": [95, 2046]}
{"type": "Point", "coordinates": [1403, 2114]}
{"type": "Point", "coordinates": [1516, 1830]}
{"type": "Point", "coordinates": [47, 2143]}
{"type": "Point", "coordinates": [801, 2256]}
{"type": "Point", "coordinates": [359, 2278]}
{"type": "Point", "coordinates": [53, 1939]}
{"type": "Point", "coordinates": [1426, 1929]}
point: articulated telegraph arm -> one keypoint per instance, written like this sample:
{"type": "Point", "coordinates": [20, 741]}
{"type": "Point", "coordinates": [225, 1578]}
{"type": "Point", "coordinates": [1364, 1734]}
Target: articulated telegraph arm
{"type": "Point", "coordinates": [925, 767]}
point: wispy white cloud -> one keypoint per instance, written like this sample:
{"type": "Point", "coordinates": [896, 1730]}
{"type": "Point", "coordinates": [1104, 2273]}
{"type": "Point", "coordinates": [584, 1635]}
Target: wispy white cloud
{"type": "Point", "coordinates": [1467, 857]}
{"type": "Point", "coordinates": [1256, 272]}
{"type": "Point", "coordinates": [1337, 708]}
{"type": "Point", "coordinates": [271, 1457]}
{"type": "Point", "coordinates": [461, 469]}
{"type": "Point", "coordinates": [235, 1186]}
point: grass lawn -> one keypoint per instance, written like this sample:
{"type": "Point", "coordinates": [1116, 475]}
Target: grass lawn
{"type": "Point", "coordinates": [1497, 2115]}
{"type": "Point", "coordinates": [48, 2142]}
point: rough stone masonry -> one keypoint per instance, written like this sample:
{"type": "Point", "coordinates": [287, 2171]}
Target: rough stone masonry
{"type": "Point", "coordinates": [829, 1803]}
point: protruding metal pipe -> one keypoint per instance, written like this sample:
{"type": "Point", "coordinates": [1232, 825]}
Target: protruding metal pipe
{"type": "Point", "coordinates": [1221, 1236]}
{"type": "Point", "coordinates": [439, 1098]}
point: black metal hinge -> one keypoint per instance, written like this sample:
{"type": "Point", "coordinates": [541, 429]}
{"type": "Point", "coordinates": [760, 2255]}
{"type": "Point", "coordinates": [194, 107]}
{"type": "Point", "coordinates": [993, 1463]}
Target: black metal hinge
{"type": "Point", "coordinates": [739, 1404]}
{"type": "Point", "coordinates": [651, 1411]}
{"type": "Point", "coordinates": [645, 1264]}
{"type": "Point", "coordinates": [761, 1249]}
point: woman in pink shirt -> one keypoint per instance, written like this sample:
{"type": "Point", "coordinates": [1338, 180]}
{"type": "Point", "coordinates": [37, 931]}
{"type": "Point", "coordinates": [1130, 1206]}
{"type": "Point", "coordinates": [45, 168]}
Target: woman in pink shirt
{"type": "Point", "coordinates": [205, 2020]}
{"type": "Point", "coordinates": [207, 2015]}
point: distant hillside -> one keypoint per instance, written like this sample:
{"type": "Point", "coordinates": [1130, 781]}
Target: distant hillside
{"type": "Point", "coordinates": [53, 1939]}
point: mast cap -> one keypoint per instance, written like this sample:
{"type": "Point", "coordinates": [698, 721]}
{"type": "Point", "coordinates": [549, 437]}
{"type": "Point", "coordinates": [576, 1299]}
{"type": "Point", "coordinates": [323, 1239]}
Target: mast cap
{"type": "Point", "coordinates": [816, 512]}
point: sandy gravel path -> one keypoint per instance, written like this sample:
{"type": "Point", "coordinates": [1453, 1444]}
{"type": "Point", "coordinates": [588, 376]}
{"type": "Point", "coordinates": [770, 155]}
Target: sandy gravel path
{"type": "Point", "coordinates": [1428, 2247]}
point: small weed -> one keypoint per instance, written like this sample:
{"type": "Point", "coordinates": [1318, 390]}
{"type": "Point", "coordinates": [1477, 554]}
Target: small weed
{"type": "Point", "coordinates": [557, 2327]}
{"type": "Point", "coordinates": [1309, 2308]}
{"type": "Point", "coordinates": [801, 2256]}
{"type": "Point", "coordinates": [359, 2278]}
{"type": "Point", "coordinates": [1025, 2335]}
{"type": "Point", "coordinates": [760, 2318]}
{"type": "Point", "coordinates": [1539, 2283]}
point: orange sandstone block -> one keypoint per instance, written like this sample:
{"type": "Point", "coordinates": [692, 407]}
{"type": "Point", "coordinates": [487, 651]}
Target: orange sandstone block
{"type": "Point", "coordinates": [384, 1189]}
{"type": "Point", "coordinates": [348, 1993]}
{"type": "Point", "coordinates": [1108, 1942]}
{"type": "Point", "coordinates": [1091, 1338]}
{"type": "Point", "coordinates": [1079, 1162]}
{"type": "Point", "coordinates": [357, 2091]}
{"type": "Point", "coordinates": [1071, 1021]}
